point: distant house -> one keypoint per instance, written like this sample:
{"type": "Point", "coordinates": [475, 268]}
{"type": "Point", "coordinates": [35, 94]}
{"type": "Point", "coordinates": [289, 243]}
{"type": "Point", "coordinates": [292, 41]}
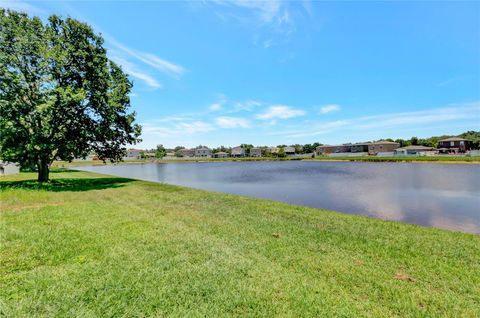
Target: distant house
{"type": "Point", "coordinates": [289, 150]}
{"type": "Point", "coordinates": [256, 152]}
{"type": "Point", "coordinates": [220, 154]}
{"type": "Point", "coordinates": [133, 154]}
{"type": "Point", "coordinates": [360, 147]}
{"type": "Point", "coordinates": [325, 150]}
{"type": "Point", "coordinates": [344, 148]}
{"type": "Point", "coordinates": [272, 150]}
{"type": "Point", "coordinates": [455, 145]}
{"type": "Point", "coordinates": [149, 155]}
{"type": "Point", "coordinates": [238, 152]}
{"type": "Point", "coordinates": [7, 168]}
{"type": "Point", "coordinates": [203, 152]}
{"type": "Point", "coordinates": [415, 150]}
{"type": "Point", "coordinates": [189, 153]}
{"type": "Point", "coordinates": [382, 146]}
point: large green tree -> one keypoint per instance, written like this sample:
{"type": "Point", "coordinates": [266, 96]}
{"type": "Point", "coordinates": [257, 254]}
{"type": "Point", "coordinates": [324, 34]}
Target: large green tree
{"type": "Point", "coordinates": [60, 95]}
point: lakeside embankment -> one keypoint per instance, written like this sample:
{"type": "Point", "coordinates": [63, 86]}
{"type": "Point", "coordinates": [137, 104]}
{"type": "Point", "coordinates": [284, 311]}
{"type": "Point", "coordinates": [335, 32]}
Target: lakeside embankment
{"type": "Point", "coordinates": [412, 159]}
{"type": "Point", "coordinates": [98, 245]}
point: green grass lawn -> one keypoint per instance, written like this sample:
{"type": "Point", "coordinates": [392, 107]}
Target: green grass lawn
{"type": "Point", "coordinates": [92, 245]}
{"type": "Point", "coordinates": [430, 159]}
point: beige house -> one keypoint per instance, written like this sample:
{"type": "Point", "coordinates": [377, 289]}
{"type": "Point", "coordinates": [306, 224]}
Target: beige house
{"type": "Point", "coordinates": [220, 154]}
{"type": "Point", "coordinates": [325, 150]}
{"type": "Point", "coordinates": [238, 152]}
{"type": "Point", "coordinates": [382, 146]}
{"type": "Point", "coordinates": [289, 150]}
{"type": "Point", "coordinates": [186, 153]}
{"type": "Point", "coordinates": [256, 152]}
{"type": "Point", "coordinates": [272, 150]}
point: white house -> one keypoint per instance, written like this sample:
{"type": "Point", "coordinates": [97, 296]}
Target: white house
{"type": "Point", "coordinates": [133, 154]}
{"type": "Point", "coordinates": [203, 152]}
{"type": "Point", "coordinates": [7, 168]}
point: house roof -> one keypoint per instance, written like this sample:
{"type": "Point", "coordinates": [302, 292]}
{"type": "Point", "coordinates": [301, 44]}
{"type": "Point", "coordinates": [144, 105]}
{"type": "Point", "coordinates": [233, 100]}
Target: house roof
{"type": "Point", "coordinates": [361, 144]}
{"type": "Point", "coordinates": [454, 139]}
{"type": "Point", "coordinates": [326, 146]}
{"type": "Point", "coordinates": [417, 147]}
{"type": "Point", "coordinates": [221, 153]}
{"type": "Point", "coordinates": [203, 148]}
{"type": "Point", "coordinates": [384, 142]}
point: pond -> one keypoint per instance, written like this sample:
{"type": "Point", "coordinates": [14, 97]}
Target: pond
{"type": "Point", "coordinates": [438, 195]}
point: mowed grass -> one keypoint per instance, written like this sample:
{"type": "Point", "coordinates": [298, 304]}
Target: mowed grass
{"type": "Point", "coordinates": [91, 245]}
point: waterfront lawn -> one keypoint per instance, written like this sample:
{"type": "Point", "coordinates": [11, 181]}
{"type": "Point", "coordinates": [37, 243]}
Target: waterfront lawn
{"type": "Point", "coordinates": [93, 245]}
{"type": "Point", "coordinates": [430, 159]}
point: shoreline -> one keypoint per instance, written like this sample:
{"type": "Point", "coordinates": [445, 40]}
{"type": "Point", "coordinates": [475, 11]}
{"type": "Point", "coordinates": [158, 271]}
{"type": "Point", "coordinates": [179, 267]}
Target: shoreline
{"type": "Point", "coordinates": [435, 160]}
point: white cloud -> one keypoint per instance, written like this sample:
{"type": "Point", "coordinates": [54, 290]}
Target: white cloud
{"type": "Point", "coordinates": [215, 107]}
{"type": "Point", "coordinates": [164, 66]}
{"type": "Point", "coordinates": [281, 112]}
{"type": "Point", "coordinates": [178, 129]}
{"type": "Point", "coordinates": [393, 121]}
{"type": "Point", "coordinates": [232, 122]}
{"type": "Point", "coordinates": [195, 127]}
{"type": "Point", "coordinates": [248, 105]}
{"type": "Point", "coordinates": [132, 70]}
{"type": "Point", "coordinates": [329, 108]}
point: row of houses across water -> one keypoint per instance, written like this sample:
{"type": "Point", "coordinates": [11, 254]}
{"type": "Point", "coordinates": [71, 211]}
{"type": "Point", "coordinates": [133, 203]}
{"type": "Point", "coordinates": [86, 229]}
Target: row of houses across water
{"type": "Point", "coordinates": [236, 152]}
{"type": "Point", "coordinates": [453, 145]}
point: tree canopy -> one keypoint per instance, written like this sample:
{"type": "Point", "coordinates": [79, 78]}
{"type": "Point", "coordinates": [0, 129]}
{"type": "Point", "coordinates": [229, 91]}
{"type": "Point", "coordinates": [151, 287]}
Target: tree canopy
{"type": "Point", "coordinates": [60, 95]}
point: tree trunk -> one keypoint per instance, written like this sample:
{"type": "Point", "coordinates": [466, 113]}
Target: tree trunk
{"type": "Point", "coordinates": [43, 170]}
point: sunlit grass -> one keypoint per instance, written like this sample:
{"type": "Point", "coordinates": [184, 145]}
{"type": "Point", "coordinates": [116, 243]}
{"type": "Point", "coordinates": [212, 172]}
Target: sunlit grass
{"type": "Point", "coordinates": [94, 245]}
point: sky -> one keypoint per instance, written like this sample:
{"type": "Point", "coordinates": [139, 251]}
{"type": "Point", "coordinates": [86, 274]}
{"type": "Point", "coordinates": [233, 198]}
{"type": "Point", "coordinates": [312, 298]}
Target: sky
{"type": "Point", "coordinates": [276, 72]}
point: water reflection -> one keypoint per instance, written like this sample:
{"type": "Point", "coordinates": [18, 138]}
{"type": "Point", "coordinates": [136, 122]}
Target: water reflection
{"type": "Point", "coordinates": [445, 196]}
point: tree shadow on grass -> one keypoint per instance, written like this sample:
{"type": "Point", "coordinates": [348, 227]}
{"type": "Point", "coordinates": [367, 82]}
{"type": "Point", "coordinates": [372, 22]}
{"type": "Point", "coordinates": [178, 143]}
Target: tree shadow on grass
{"type": "Point", "coordinates": [66, 184]}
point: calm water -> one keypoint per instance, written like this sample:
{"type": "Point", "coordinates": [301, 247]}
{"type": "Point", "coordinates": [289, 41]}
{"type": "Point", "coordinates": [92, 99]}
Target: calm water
{"type": "Point", "coordinates": [438, 195]}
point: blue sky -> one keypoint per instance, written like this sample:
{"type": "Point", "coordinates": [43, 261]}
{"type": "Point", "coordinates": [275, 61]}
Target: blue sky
{"type": "Point", "coordinates": [268, 73]}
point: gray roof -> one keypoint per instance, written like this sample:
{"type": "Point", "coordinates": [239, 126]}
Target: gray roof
{"type": "Point", "coordinates": [454, 139]}
{"type": "Point", "coordinates": [417, 147]}
{"type": "Point", "coordinates": [384, 142]}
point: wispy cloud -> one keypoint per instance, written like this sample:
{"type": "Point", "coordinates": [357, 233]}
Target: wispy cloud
{"type": "Point", "coordinates": [215, 107]}
{"type": "Point", "coordinates": [164, 66]}
{"type": "Point", "coordinates": [329, 108]}
{"type": "Point", "coordinates": [281, 112]}
{"type": "Point", "coordinates": [178, 129]}
{"type": "Point", "coordinates": [272, 19]}
{"type": "Point", "coordinates": [232, 122]}
{"type": "Point", "coordinates": [446, 82]}
{"type": "Point", "coordinates": [132, 70]}
{"type": "Point", "coordinates": [393, 121]}
{"type": "Point", "coordinates": [247, 105]}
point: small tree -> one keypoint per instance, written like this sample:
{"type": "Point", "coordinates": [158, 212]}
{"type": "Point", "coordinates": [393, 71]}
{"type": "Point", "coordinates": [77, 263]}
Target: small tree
{"type": "Point", "coordinates": [60, 96]}
{"type": "Point", "coordinates": [160, 152]}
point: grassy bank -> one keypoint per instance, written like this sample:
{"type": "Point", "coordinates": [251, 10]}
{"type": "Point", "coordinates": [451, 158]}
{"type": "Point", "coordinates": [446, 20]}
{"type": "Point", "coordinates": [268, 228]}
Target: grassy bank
{"type": "Point", "coordinates": [431, 159]}
{"type": "Point", "coordinates": [413, 159]}
{"type": "Point", "coordinates": [93, 245]}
